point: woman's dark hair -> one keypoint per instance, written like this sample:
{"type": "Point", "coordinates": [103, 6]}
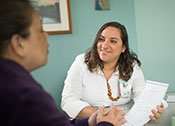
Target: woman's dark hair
{"type": "Point", "coordinates": [15, 18]}
{"type": "Point", "coordinates": [126, 60]}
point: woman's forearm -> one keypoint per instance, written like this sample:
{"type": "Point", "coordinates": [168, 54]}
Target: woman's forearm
{"type": "Point", "coordinates": [86, 112]}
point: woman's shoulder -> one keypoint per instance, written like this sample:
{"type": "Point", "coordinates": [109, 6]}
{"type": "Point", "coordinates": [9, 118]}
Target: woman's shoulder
{"type": "Point", "coordinates": [137, 69]}
{"type": "Point", "coordinates": [79, 62]}
{"type": "Point", "coordinates": [136, 66]}
{"type": "Point", "coordinates": [80, 57]}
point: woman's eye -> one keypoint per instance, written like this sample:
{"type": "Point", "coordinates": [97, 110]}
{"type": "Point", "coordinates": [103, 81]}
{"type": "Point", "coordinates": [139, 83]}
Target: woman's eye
{"type": "Point", "coordinates": [100, 39]}
{"type": "Point", "coordinates": [113, 41]}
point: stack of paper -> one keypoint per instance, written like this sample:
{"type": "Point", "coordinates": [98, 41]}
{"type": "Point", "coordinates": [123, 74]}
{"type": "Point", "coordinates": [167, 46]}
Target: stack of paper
{"type": "Point", "coordinates": [152, 96]}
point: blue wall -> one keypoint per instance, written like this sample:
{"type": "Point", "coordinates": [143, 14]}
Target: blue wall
{"type": "Point", "coordinates": [85, 23]}
{"type": "Point", "coordinates": [155, 26]}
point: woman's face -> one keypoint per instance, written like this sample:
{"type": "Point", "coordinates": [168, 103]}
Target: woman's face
{"type": "Point", "coordinates": [110, 45]}
{"type": "Point", "coordinates": [36, 44]}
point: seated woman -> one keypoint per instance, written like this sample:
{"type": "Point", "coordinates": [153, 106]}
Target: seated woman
{"type": "Point", "coordinates": [109, 73]}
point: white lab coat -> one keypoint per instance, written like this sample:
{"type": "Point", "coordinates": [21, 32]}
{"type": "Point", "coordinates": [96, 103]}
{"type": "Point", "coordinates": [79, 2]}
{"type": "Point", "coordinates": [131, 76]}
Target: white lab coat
{"type": "Point", "coordinates": [83, 88]}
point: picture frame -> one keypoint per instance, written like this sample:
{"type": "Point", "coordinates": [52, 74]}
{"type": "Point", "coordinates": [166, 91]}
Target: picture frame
{"type": "Point", "coordinates": [102, 5]}
{"type": "Point", "coordinates": [55, 15]}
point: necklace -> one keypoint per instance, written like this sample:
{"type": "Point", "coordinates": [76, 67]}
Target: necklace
{"type": "Point", "coordinates": [110, 93]}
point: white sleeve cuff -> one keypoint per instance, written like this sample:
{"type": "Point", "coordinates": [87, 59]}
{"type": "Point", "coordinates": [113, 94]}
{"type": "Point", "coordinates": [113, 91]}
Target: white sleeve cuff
{"type": "Point", "coordinates": [73, 109]}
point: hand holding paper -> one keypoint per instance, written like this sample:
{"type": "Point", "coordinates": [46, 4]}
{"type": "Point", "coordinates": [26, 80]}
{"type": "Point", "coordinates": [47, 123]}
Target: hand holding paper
{"type": "Point", "coordinates": [151, 97]}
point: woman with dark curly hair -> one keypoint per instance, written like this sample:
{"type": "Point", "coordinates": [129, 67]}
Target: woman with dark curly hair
{"type": "Point", "coordinates": [109, 73]}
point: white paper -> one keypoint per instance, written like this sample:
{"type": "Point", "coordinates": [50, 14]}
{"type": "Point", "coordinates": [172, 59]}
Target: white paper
{"type": "Point", "coordinates": [151, 97]}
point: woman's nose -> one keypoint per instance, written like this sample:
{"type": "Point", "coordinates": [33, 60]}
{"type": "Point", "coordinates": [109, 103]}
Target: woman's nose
{"type": "Point", "coordinates": [105, 44]}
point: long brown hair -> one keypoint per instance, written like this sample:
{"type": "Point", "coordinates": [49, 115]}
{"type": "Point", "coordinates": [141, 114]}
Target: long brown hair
{"type": "Point", "coordinates": [126, 59]}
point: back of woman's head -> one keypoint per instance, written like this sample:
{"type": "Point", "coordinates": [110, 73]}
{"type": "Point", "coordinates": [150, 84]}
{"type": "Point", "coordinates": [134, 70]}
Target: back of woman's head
{"type": "Point", "coordinates": [16, 17]}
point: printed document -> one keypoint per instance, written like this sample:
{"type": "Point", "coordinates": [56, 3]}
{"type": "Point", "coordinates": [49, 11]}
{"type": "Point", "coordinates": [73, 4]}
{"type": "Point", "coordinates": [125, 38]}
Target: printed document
{"type": "Point", "coordinates": [152, 96]}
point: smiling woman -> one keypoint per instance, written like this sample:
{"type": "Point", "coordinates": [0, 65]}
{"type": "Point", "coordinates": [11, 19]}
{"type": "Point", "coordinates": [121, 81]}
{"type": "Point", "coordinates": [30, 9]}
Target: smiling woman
{"type": "Point", "coordinates": [108, 73]}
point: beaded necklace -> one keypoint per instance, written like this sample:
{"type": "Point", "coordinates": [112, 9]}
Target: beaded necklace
{"type": "Point", "coordinates": [110, 93]}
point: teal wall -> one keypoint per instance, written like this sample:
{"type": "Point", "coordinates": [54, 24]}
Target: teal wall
{"type": "Point", "coordinates": [85, 23]}
{"type": "Point", "coordinates": [155, 26]}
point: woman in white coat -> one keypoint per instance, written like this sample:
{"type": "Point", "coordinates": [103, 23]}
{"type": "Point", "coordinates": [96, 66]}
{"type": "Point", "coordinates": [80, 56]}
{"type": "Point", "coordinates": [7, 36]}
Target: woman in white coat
{"type": "Point", "coordinates": [109, 73]}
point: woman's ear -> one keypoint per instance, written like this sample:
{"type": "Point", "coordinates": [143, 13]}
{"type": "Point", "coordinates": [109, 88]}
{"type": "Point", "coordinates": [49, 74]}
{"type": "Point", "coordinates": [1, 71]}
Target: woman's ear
{"type": "Point", "coordinates": [17, 45]}
{"type": "Point", "coordinates": [123, 49]}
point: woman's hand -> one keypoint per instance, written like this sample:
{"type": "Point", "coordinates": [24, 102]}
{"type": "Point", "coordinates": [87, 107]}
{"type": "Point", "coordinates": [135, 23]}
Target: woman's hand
{"type": "Point", "coordinates": [112, 115]}
{"type": "Point", "coordinates": [157, 113]}
{"type": "Point", "coordinates": [92, 119]}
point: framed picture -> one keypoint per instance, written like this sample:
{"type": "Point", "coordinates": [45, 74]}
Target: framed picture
{"type": "Point", "coordinates": [101, 4]}
{"type": "Point", "coordinates": [55, 15]}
